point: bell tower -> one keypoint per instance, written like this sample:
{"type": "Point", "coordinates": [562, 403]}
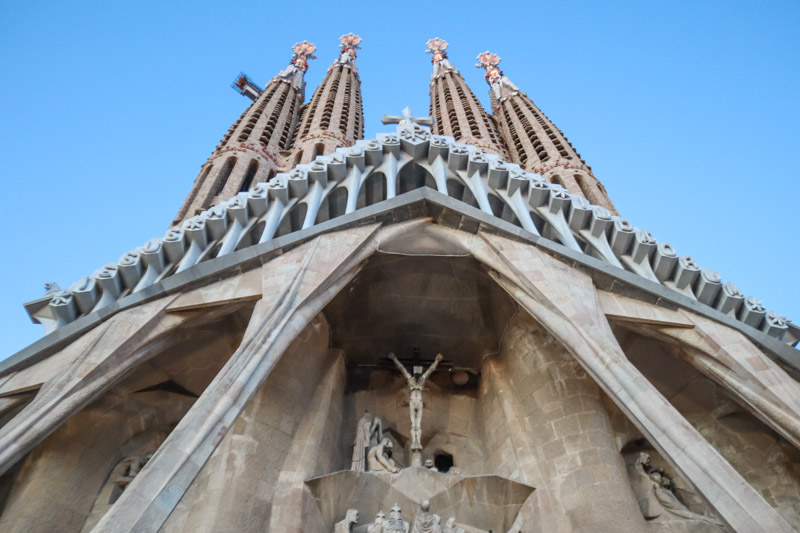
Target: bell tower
{"type": "Point", "coordinates": [534, 142]}
{"type": "Point", "coordinates": [335, 115]}
{"type": "Point", "coordinates": [249, 151]}
{"type": "Point", "coordinates": [454, 107]}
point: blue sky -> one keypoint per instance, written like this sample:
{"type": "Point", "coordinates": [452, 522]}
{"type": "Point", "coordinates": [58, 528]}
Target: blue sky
{"type": "Point", "coordinates": [688, 112]}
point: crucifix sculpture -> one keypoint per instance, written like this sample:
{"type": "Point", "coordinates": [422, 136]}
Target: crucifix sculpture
{"type": "Point", "coordinates": [415, 385]}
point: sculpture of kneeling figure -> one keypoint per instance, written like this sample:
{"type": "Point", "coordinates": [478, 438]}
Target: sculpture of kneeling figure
{"type": "Point", "coordinates": [379, 458]}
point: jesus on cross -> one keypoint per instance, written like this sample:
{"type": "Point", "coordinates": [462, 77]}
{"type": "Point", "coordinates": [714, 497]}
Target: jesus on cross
{"type": "Point", "coordinates": [415, 385]}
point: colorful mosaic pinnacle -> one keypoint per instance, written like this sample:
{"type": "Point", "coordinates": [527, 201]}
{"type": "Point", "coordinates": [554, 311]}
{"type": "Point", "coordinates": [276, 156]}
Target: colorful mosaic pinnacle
{"type": "Point", "coordinates": [302, 53]}
{"type": "Point", "coordinates": [350, 41]}
{"type": "Point", "coordinates": [489, 61]}
{"type": "Point", "coordinates": [437, 47]}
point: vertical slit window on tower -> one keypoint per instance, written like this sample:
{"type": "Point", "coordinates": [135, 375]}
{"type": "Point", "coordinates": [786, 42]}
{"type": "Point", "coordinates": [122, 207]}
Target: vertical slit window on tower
{"type": "Point", "coordinates": [224, 174]}
{"type": "Point", "coordinates": [252, 169]}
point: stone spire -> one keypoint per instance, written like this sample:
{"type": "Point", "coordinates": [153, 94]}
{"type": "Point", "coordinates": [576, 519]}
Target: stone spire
{"type": "Point", "coordinates": [534, 142]}
{"type": "Point", "coordinates": [456, 110]}
{"type": "Point", "coordinates": [250, 151]}
{"type": "Point", "coordinates": [335, 116]}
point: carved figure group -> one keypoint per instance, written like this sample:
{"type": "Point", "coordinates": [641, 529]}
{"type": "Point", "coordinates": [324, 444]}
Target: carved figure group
{"type": "Point", "coordinates": [424, 522]}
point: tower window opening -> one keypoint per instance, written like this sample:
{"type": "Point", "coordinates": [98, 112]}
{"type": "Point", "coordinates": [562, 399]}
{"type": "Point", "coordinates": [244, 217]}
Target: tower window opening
{"type": "Point", "coordinates": [224, 174]}
{"type": "Point", "coordinates": [252, 169]}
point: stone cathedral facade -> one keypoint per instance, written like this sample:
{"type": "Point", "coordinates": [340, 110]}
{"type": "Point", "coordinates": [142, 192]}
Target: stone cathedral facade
{"type": "Point", "coordinates": [446, 328]}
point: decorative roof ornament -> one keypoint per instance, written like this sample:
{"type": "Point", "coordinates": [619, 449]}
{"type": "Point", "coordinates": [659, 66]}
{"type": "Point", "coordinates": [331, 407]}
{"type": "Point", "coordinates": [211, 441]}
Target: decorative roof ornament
{"type": "Point", "coordinates": [349, 44]}
{"type": "Point", "coordinates": [298, 65]}
{"type": "Point", "coordinates": [438, 47]}
{"type": "Point", "coordinates": [51, 288]}
{"type": "Point", "coordinates": [302, 53]}
{"type": "Point", "coordinates": [501, 86]}
{"type": "Point", "coordinates": [411, 128]}
{"type": "Point", "coordinates": [347, 56]}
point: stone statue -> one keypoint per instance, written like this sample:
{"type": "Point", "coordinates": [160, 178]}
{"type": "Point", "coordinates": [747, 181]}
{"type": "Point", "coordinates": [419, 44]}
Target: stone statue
{"type": "Point", "coordinates": [368, 433]}
{"type": "Point", "coordinates": [450, 526]}
{"type": "Point", "coordinates": [377, 525]}
{"type": "Point", "coordinates": [662, 488]}
{"type": "Point", "coordinates": [395, 523]}
{"type": "Point", "coordinates": [346, 525]}
{"type": "Point", "coordinates": [135, 465]}
{"type": "Point", "coordinates": [426, 521]}
{"type": "Point", "coordinates": [415, 385]}
{"type": "Point", "coordinates": [657, 499]}
{"type": "Point", "coordinates": [430, 466]}
{"type": "Point", "coordinates": [379, 458]}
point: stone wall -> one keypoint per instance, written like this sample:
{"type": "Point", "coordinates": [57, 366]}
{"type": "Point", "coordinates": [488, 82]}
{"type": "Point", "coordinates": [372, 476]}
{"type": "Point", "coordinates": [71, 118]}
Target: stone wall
{"type": "Point", "coordinates": [546, 425]}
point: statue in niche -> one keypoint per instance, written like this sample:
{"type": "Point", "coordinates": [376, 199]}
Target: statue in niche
{"type": "Point", "coordinates": [415, 385]}
{"type": "Point", "coordinates": [379, 458]}
{"type": "Point", "coordinates": [395, 523]}
{"type": "Point", "coordinates": [657, 499]}
{"type": "Point", "coordinates": [346, 525]}
{"type": "Point", "coordinates": [377, 525]}
{"type": "Point", "coordinates": [426, 521]}
{"type": "Point", "coordinates": [131, 470]}
{"type": "Point", "coordinates": [450, 526]}
{"type": "Point", "coordinates": [369, 432]}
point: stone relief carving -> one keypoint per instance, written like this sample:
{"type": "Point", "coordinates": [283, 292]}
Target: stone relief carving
{"type": "Point", "coordinates": [430, 466]}
{"type": "Point", "coordinates": [655, 492]}
{"type": "Point", "coordinates": [426, 521]}
{"type": "Point", "coordinates": [346, 525]}
{"type": "Point", "coordinates": [379, 458]}
{"type": "Point", "coordinates": [415, 385]}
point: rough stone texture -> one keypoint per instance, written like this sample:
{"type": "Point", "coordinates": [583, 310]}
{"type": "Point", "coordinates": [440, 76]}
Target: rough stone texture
{"type": "Point", "coordinates": [547, 426]}
{"type": "Point", "coordinates": [236, 487]}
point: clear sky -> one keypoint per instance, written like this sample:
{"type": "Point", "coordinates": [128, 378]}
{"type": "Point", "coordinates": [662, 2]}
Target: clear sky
{"type": "Point", "coordinates": [688, 112]}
